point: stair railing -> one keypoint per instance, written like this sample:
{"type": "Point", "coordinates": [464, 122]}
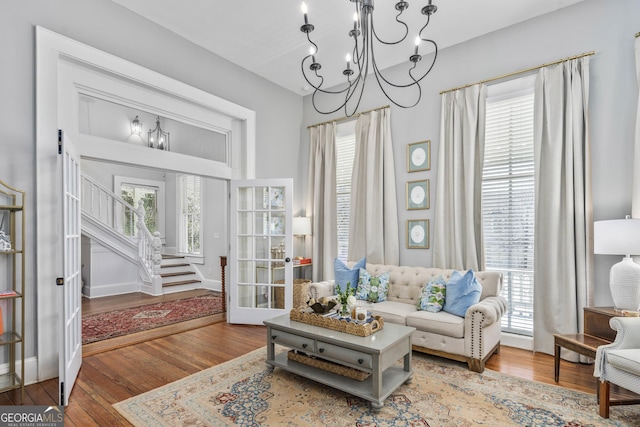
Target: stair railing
{"type": "Point", "coordinates": [149, 245]}
{"type": "Point", "coordinates": [122, 218]}
{"type": "Point", "coordinates": [106, 207]}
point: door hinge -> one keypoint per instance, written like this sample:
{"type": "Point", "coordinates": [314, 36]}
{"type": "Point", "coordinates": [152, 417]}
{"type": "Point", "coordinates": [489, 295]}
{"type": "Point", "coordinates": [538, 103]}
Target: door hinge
{"type": "Point", "coordinates": [62, 403]}
{"type": "Point", "coordinates": [60, 281]}
{"type": "Point", "coordinates": [59, 141]}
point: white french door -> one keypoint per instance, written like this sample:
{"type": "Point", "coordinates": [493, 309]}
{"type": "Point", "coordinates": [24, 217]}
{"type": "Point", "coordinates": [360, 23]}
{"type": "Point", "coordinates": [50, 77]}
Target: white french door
{"type": "Point", "coordinates": [70, 284]}
{"type": "Point", "coordinates": [261, 247]}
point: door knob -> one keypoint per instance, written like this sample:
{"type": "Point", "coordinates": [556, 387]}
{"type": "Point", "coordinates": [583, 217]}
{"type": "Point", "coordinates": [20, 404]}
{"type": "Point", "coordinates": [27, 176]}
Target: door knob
{"type": "Point", "coordinates": [287, 259]}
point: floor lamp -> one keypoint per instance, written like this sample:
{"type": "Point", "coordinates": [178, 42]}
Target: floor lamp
{"type": "Point", "coordinates": [621, 237]}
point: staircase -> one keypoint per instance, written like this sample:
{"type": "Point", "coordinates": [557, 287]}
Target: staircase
{"type": "Point", "coordinates": [102, 220]}
{"type": "Point", "coordinates": [177, 274]}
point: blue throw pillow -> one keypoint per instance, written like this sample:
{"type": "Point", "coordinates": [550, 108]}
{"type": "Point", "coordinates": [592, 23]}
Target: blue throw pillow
{"type": "Point", "coordinates": [462, 293]}
{"type": "Point", "coordinates": [344, 274]}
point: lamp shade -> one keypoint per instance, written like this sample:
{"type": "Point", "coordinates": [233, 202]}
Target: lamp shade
{"type": "Point", "coordinates": [302, 226]}
{"type": "Point", "coordinates": [617, 237]}
{"type": "Point", "coordinates": [621, 237]}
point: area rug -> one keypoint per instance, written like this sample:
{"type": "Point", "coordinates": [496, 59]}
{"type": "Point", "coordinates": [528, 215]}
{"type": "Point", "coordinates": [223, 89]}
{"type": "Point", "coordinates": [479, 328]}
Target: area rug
{"type": "Point", "coordinates": [244, 392]}
{"type": "Point", "coordinates": [102, 326]}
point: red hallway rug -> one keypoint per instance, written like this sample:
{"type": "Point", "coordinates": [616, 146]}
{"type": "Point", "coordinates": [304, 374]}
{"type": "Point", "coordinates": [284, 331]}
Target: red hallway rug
{"type": "Point", "coordinates": [102, 326]}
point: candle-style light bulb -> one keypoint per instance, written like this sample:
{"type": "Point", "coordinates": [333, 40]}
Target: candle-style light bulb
{"type": "Point", "coordinates": [348, 61]}
{"type": "Point", "coordinates": [417, 44]}
{"type": "Point", "coordinates": [304, 11]}
{"type": "Point", "coordinates": [355, 20]}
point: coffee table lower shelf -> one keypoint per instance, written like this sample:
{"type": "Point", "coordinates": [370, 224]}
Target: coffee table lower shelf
{"type": "Point", "coordinates": [392, 378]}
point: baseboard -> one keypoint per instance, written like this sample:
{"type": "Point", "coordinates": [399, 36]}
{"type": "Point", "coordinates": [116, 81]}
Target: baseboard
{"type": "Point", "coordinates": [109, 290]}
{"type": "Point", "coordinates": [212, 285]}
{"type": "Point", "coordinates": [30, 370]}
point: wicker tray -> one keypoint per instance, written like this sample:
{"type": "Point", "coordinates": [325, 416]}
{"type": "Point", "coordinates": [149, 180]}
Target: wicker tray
{"type": "Point", "coordinates": [340, 325]}
{"type": "Point", "coordinates": [336, 368]}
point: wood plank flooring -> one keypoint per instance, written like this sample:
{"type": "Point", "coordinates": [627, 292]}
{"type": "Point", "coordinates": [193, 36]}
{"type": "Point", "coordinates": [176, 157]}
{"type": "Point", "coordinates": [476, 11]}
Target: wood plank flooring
{"type": "Point", "coordinates": [112, 376]}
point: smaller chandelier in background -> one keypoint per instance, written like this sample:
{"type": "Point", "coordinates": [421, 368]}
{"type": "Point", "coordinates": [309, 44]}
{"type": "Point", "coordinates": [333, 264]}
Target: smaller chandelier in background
{"type": "Point", "coordinates": [158, 138]}
{"type": "Point", "coordinates": [361, 60]}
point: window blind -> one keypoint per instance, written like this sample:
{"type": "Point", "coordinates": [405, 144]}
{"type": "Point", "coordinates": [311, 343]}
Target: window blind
{"type": "Point", "coordinates": [508, 203]}
{"type": "Point", "coordinates": [345, 153]}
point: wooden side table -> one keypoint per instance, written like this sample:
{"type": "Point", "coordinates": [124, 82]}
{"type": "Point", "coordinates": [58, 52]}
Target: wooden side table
{"type": "Point", "coordinates": [597, 332]}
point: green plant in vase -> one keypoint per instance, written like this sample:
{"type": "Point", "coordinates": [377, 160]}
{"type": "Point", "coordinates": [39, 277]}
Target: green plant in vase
{"type": "Point", "coordinates": [347, 299]}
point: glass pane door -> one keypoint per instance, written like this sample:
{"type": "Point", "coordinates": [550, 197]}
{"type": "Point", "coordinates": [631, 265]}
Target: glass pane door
{"type": "Point", "coordinates": [261, 250]}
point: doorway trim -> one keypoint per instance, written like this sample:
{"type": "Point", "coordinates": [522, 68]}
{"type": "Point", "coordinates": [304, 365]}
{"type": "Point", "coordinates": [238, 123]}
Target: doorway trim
{"type": "Point", "coordinates": [54, 55]}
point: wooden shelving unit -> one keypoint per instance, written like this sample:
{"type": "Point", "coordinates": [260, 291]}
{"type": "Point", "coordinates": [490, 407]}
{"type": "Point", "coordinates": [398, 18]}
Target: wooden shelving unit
{"type": "Point", "coordinates": [12, 286]}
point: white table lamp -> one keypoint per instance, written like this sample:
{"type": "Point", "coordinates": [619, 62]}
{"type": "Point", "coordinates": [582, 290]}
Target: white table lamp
{"type": "Point", "coordinates": [621, 237]}
{"type": "Point", "coordinates": [302, 227]}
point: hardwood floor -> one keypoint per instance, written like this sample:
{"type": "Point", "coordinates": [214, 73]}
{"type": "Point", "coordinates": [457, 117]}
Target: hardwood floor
{"type": "Point", "coordinates": [112, 376]}
{"type": "Point", "coordinates": [118, 302]}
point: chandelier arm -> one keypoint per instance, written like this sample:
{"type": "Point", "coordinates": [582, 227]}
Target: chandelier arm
{"type": "Point", "coordinates": [313, 102]}
{"type": "Point", "coordinates": [360, 55]}
{"type": "Point", "coordinates": [304, 74]}
{"type": "Point", "coordinates": [379, 76]}
{"type": "Point", "coordinates": [394, 101]}
{"type": "Point", "coordinates": [316, 46]}
{"type": "Point", "coordinates": [406, 31]}
{"type": "Point", "coordinates": [318, 88]}
{"type": "Point", "coordinates": [435, 55]}
{"type": "Point", "coordinates": [346, 103]}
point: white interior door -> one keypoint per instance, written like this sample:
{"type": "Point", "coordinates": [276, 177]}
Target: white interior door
{"type": "Point", "coordinates": [261, 247]}
{"type": "Point", "coordinates": [70, 287]}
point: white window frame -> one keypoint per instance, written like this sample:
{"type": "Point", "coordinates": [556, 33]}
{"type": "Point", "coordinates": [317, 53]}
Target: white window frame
{"type": "Point", "coordinates": [149, 183]}
{"type": "Point", "coordinates": [511, 185]}
{"type": "Point", "coordinates": [179, 217]}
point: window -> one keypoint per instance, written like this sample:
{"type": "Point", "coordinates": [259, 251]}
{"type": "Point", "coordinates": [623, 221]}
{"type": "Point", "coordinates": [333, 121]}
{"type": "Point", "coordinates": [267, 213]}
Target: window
{"type": "Point", "coordinates": [508, 197]}
{"type": "Point", "coordinates": [345, 153]}
{"type": "Point", "coordinates": [132, 194]}
{"type": "Point", "coordinates": [189, 215]}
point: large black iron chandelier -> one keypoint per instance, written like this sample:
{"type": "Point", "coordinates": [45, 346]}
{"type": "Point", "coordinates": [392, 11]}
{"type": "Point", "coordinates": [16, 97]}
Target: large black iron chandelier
{"type": "Point", "coordinates": [364, 38]}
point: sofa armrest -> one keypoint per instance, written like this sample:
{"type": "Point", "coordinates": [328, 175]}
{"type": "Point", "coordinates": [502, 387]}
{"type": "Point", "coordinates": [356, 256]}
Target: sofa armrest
{"type": "Point", "coordinates": [491, 310]}
{"type": "Point", "coordinates": [321, 289]}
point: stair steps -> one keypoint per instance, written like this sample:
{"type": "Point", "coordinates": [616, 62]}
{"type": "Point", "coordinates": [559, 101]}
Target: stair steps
{"type": "Point", "coordinates": [177, 274]}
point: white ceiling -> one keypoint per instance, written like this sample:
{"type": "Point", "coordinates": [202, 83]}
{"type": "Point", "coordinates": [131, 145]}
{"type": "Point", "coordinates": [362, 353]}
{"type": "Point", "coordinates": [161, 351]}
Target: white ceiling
{"type": "Point", "coordinates": [264, 35]}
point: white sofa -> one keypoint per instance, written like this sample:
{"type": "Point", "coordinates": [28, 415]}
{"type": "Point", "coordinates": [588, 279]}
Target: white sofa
{"type": "Point", "coordinates": [472, 339]}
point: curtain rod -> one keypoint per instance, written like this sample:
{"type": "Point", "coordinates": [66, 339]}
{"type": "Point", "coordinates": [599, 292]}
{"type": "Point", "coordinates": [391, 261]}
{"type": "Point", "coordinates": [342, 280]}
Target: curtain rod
{"type": "Point", "coordinates": [342, 119]}
{"type": "Point", "coordinates": [515, 73]}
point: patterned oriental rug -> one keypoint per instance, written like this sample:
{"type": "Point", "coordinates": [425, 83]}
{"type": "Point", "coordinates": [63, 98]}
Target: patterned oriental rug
{"type": "Point", "coordinates": [243, 392]}
{"type": "Point", "coordinates": [102, 326]}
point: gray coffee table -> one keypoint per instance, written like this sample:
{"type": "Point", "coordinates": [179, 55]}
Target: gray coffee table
{"type": "Point", "coordinates": [376, 354]}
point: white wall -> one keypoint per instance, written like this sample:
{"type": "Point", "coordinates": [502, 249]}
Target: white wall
{"type": "Point", "coordinates": [105, 272]}
{"type": "Point", "coordinates": [608, 28]}
{"type": "Point", "coordinates": [109, 27]}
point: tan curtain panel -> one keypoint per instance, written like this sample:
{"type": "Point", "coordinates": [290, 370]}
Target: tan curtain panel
{"type": "Point", "coordinates": [373, 217]}
{"type": "Point", "coordinates": [457, 235]}
{"type": "Point", "coordinates": [321, 200]}
{"type": "Point", "coordinates": [563, 255]}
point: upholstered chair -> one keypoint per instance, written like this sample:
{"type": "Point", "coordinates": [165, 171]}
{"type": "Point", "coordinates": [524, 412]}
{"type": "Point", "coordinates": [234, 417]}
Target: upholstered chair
{"type": "Point", "coordinates": [619, 363]}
